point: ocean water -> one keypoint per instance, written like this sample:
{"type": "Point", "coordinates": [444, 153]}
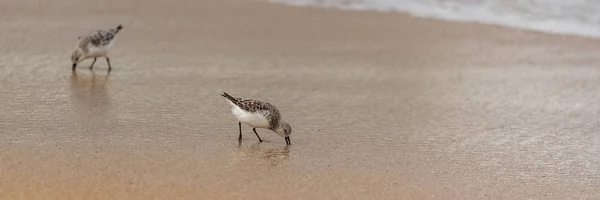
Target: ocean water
{"type": "Point", "coordinates": [575, 17]}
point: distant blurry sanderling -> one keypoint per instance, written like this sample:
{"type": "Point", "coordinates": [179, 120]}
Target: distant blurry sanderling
{"type": "Point", "coordinates": [258, 114]}
{"type": "Point", "coordinates": [93, 45]}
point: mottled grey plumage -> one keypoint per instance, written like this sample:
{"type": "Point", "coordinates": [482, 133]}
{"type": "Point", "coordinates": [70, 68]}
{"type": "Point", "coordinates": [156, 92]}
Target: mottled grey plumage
{"type": "Point", "coordinates": [259, 114]}
{"type": "Point", "coordinates": [254, 106]}
{"type": "Point", "coordinates": [97, 38]}
{"type": "Point", "coordinates": [94, 45]}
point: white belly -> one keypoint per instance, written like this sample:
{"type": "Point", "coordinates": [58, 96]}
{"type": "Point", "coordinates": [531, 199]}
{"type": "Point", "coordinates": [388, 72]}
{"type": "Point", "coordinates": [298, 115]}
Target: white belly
{"type": "Point", "coordinates": [255, 120]}
{"type": "Point", "coordinates": [100, 51]}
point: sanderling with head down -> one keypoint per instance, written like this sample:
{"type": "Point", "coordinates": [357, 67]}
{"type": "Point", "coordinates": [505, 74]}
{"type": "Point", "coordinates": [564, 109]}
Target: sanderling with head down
{"type": "Point", "coordinates": [258, 114]}
{"type": "Point", "coordinates": [94, 45]}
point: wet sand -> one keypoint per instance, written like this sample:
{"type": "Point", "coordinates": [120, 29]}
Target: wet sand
{"type": "Point", "coordinates": [382, 105]}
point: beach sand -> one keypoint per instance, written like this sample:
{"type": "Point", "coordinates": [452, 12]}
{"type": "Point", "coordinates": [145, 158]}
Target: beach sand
{"type": "Point", "coordinates": [382, 105]}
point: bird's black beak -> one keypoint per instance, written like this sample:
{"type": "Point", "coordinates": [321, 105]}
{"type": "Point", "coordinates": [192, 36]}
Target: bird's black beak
{"type": "Point", "coordinates": [288, 141]}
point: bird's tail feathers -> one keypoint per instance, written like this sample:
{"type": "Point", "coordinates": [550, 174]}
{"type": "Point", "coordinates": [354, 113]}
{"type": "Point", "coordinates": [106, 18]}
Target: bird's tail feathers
{"type": "Point", "coordinates": [118, 28]}
{"type": "Point", "coordinates": [229, 97]}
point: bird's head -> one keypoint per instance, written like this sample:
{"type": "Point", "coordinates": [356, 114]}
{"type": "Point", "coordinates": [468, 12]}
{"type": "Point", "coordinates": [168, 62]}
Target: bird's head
{"type": "Point", "coordinates": [285, 130]}
{"type": "Point", "coordinates": [76, 56]}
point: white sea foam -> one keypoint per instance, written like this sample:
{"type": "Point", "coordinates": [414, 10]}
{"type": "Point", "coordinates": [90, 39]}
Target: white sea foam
{"type": "Point", "coordinates": [577, 17]}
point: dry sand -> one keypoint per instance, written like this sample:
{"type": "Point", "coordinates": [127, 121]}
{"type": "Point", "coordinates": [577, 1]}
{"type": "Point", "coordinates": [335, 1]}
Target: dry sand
{"type": "Point", "coordinates": [382, 105]}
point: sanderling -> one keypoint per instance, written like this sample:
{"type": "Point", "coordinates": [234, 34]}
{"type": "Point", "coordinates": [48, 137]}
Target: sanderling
{"type": "Point", "coordinates": [258, 114]}
{"type": "Point", "coordinates": [93, 45]}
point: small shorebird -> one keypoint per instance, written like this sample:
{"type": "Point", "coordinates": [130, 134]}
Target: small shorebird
{"type": "Point", "coordinates": [94, 45]}
{"type": "Point", "coordinates": [258, 114]}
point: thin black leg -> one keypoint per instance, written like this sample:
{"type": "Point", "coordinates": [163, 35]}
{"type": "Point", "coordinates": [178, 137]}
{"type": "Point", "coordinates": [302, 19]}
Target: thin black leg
{"type": "Point", "coordinates": [93, 63]}
{"type": "Point", "coordinates": [108, 61]}
{"type": "Point", "coordinates": [74, 65]}
{"type": "Point", "coordinates": [288, 141]}
{"type": "Point", "coordinates": [254, 129]}
{"type": "Point", "coordinates": [240, 138]}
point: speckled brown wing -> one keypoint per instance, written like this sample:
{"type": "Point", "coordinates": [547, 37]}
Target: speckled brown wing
{"type": "Point", "coordinates": [96, 38]}
{"type": "Point", "coordinates": [255, 106]}
{"type": "Point", "coordinates": [266, 109]}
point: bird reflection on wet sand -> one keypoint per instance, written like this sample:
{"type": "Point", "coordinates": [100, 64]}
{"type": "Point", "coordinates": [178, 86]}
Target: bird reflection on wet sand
{"type": "Point", "coordinates": [89, 93]}
{"type": "Point", "coordinates": [273, 155]}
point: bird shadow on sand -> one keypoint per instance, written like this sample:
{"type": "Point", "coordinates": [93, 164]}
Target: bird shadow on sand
{"type": "Point", "coordinates": [274, 155]}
